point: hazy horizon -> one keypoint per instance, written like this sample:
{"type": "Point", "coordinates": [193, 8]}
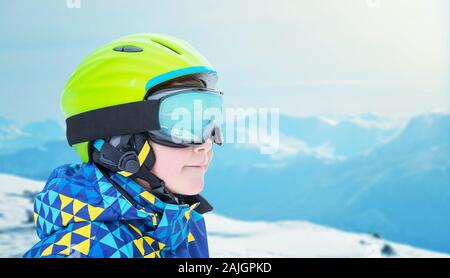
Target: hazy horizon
{"type": "Point", "coordinates": [306, 58]}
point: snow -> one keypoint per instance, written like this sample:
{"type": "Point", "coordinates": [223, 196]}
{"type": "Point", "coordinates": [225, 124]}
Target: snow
{"type": "Point", "coordinates": [227, 237]}
{"type": "Point", "coordinates": [233, 238]}
{"type": "Point", "coordinates": [16, 234]}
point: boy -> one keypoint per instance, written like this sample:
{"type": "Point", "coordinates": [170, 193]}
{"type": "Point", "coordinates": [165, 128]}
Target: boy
{"type": "Point", "coordinates": [136, 194]}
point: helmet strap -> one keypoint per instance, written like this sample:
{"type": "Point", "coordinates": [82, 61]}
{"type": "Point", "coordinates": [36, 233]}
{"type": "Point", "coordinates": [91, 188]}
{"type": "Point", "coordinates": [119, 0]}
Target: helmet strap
{"type": "Point", "coordinates": [131, 156]}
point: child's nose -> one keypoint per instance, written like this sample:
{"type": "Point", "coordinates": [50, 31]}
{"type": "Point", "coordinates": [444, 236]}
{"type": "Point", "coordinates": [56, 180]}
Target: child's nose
{"type": "Point", "coordinates": [205, 147]}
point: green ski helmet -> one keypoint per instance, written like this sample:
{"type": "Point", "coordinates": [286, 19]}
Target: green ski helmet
{"type": "Point", "coordinates": [128, 70]}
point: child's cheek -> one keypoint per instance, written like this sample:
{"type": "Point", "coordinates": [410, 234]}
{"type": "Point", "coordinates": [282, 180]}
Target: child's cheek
{"type": "Point", "coordinates": [170, 162]}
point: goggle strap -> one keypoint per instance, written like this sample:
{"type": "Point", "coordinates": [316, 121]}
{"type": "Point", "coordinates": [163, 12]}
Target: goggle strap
{"type": "Point", "coordinates": [133, 117]}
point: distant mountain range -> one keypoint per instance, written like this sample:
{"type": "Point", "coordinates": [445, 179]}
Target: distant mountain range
{"type": "Point", "coordinates": [37, 162]}
{"type": "Point", "coordinates": [14, 137]}
{"type": "Point", "coordinates": [34, 149]}
{"type": "Point", "coordinates": [362, 174]}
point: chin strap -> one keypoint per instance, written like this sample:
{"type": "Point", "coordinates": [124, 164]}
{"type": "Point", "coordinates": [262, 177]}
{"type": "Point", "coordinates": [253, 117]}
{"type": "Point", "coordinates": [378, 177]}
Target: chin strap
{"type": "Point", "coordinates": [159, 189]}
{"type": "Point", "coordinates": [157, 185]}
{"type": "Point", "coordinates": [131, 156]}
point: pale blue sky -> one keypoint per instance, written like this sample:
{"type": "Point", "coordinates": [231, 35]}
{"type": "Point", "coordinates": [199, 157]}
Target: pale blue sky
{"type": "Point", "coordinates": [305, 57]}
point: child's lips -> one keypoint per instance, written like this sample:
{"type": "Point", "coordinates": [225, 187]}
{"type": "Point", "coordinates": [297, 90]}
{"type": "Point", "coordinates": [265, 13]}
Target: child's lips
{"type": "Point", "coordinates": [202, 166]}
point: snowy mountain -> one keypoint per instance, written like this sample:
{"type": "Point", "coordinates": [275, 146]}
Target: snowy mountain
{"type": "Point", "coordinates": [15, 137]}
{"type": "Point", "coordinates": [398, 188]}
{"type": "Point", "coordinates": [227, 237]}
{"type": "Point", "coordinates": [346, 136]}
{"type": "Point", "coordinates": [37, 162]}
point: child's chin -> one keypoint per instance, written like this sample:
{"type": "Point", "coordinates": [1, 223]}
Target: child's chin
{"type": "Point", "coordinates": [193, 187]}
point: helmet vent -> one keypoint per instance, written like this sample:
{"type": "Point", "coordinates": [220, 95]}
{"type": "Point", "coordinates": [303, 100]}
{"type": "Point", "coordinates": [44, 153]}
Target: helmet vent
{"type": "Point", "coordinates": [166, 46]}
{"type": "Point", "coordinates": [128, 48]}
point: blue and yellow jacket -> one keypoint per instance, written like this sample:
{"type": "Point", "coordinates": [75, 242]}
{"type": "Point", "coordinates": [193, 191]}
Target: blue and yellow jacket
{"type": "Point", "coordinates": [80, 214]}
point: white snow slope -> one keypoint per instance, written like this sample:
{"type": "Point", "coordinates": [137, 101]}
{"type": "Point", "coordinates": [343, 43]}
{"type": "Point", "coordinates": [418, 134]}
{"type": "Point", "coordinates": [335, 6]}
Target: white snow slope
{"type": "Point", "coordinates": [227, 237]}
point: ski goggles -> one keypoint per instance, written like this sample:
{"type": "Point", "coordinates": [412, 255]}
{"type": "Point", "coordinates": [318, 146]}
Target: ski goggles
{"type": "Point", "coordinates": [188, 116]}
{"type": "Point", "coordinates": [176, 117]}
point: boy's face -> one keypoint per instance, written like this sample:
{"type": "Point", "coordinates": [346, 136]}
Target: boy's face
{"type": "Point", "coordinates": [182, 169]}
